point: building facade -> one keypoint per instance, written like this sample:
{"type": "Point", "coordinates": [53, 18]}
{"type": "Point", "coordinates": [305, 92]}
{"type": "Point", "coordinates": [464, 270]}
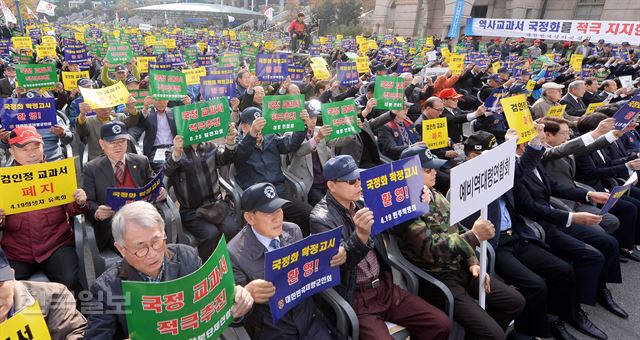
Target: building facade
{"type": "Point", "coordinates": [433, 17]}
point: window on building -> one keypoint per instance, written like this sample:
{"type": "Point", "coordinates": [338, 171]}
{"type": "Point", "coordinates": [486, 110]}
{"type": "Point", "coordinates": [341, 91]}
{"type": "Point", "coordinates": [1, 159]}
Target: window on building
{"type": "Point", "coordinates": [479, 11]}
{"type": "Point", "coordinates": [589, 9]}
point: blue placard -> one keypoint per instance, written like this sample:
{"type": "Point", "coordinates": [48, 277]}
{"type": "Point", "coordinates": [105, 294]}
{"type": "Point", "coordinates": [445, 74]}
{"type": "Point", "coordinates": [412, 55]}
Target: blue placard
{"type": "Point", "coordinates": [347, 73]}
{"type": "Point", "coordinates": [164, 66]}
{"type": "Point", "coordinates": [454, 29]}
{"type": "Point", "coordinates": [76, 55]}
{"type": "Point", "coordinates": [493, 101]}
{"type": "Point", "coordinates": [301, 269]}
{"type": "Point", "coordinates": [5, 44]}
{"type": "Point", "coordinates": [614, 197]}
{"type": "Point", "coordinates": [272, 67]}
{"type": "Point", "coordinates": [393, 192]}
{"type": "Point", "coordinates": [118, 197]}
{"type": "Point", "coordinates": [204, 60]}
{"type": "Point", "coordinates": [37, 112]}
{"type": "Point", "coordinates": [626, 113]}
{"type": "Point", "coordinates": [219, 85]}
{"type": "Point", "coordinates": [404, 66]}
{"type": "Point", "coordinates": [296, 73]}
{"type": "Point", "coordinates": [216, 70]}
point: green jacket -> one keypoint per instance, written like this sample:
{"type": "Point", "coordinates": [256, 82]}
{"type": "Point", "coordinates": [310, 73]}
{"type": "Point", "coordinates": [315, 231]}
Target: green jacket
{"type": "Point", "coordinates": [104, 75]}
{"type": "Point", "coordinates": [433, 245]}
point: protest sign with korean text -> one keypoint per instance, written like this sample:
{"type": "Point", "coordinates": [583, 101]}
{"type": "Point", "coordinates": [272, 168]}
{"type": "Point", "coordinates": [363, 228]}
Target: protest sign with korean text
{"type": "Point", "coordinates": [20, 43]}
{"type": "Point", "coordinates": [44, 51]}
{"type": "Point", "coordinates": [33, 187]}
{"type": "Point", "coordinates": [557, 111]}
{"type": "Point", "coordinates": [202, 121]}
{"type": "Point", "coordinates": [70, 79]}
{"type": "Point", "coordinates": [272, 67]}
{"type": "Point", "coordinates": [347, 73]}
{"type": "Point", "coordinates": [32, 76]}
{"type": "Point", "coordinates": [139, 96]}
{"type": "Point", "coordinates": [617, 192]}
{"type": "Point", "coordinates": [593, 107]}
{"type": "Point", "coordinates": [217, 85]}
{"type": "Point", "coordinates": [393, 192]}
{"type": "Point", "coordinates": [342, 116]}
{"type": "Point", "coordinates": [142, 62]}
{"type": "Point", "coordinates": [362, 64]}
{"type": "Point", "coordinates": [196, 306]}
{"type": "Point", "coordinates": [111, 96]}
{"type": "Point", "coordinates": [282, 113]}
{"type": "Point", "coordinates": [301, 269]}
{"type": "Point", "coordinates": [167, 85]}
{"type": "Point", "coordinates": [119, 197]}
{"type": "Point", "coordinates": [28, 323]}
{"type": "Point", "coordinates": [37, 112]}
{"type": "Point", "coordinates": [119, 53]}
{"type": "Point", "coordinates": [518, 116]}
{"type": "Point", "coordinates": [320, 71]}
{"type": "Point", "coordinates": [435, 133]}
{"type": "Point", "coordinates": [193, 75]}
{"type": "Point", "coordinates": [389, 92]}
{"type": "Point", "coordinates": [481, 180]}
{"type": "Point", "coordinates": [627, 113]}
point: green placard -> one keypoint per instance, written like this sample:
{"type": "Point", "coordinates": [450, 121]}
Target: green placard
{"type": "Point", "coordinates": [203, 121]}
{"type": "Point", "coordinates": [159, 49]}
{"type": "Point", "coordinates": [389, 92]}
{"type": "Point", "coordinates": [119, 53]}
{"type": "Point", "coordinates": [342, 117]}
{"type": "Point", "coordinates": [282, 113]}
{"type": "Point", "coordinates": [418, 61]}
{"type": "Point", "coordinates": [167, 85]}
{"type": "Point", "coordinates": [249, 51]}
{"type": "Point", "coordinates": [191, 54]}
{"type": "Point", "coordinates": [185, 308]}
{"type": "Point", "coordinates": [21, 58]}
{"type": "Point", "coordinates": [229, 60]}
{"type": "Point", "coordinates": [34, 76]}
{"type": "Point", "coordinates": [139, 95]}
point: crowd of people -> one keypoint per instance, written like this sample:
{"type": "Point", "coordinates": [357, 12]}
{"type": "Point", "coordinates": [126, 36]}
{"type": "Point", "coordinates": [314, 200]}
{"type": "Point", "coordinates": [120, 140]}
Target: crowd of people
{"type": "Point", "coordinates": [562, 177]}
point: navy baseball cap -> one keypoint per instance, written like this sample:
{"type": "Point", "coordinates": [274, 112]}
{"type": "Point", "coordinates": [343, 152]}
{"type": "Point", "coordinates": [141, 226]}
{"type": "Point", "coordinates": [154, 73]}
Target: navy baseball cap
{"type": "Point", "coordinates": [6, 274]}
{"type": "Point", "coordinates": [113, 130]}
{"type": "Point", "coordinates": [427, 159]}
{"type": "Point", "coordinates": [341, 168]}
{"type": "Point", "coordinates": [250, 114]}
{"type": "Point", "coordinates": [262, 197]}
{"type": "Point", "coordinates": [85, 82]}
{"type": "Point", "coordinates": [518, 89]}
{"type": "Point", "coordinates": [496, 77]}
{"type": "Point", "coordinates": [121, 68]}
{"type": "Point", "coordinates": [313, 107]}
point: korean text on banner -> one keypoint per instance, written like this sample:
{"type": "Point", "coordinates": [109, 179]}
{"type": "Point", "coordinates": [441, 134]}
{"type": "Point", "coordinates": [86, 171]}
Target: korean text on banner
{"type": "Point", "coordinates": [118, 53]}
{"type": "Point", "coordinates": [435, 133]}
{"type": "Point", "coordinates": [29, 323]}
{"type": "Point", "coordinates": [320, 71]}
{"type": "Point", "coordinates": [282, 113]}
{"type": "Point", "coordinates": [167, 85]}
{"type": "Point", "coordinates": [518, 116]}
{"type": "Point", "coordinates": [33, 187]}
{"type": "Point", "coordinates": [193, 75]}
{"type": "Point", "coordinates": [111, 96]}
{"type": "Point", "coordinates": [37, 112]}
{"type": "Point", "coordinates": [617, 192]}
{"type": "Point", "coordinates": [362, 64]}
{"type": "Point", "coordinates": [301, 269]}
{"type": "Point", "coordinates": [557, 111]}
{"type": "Point", "coordinates": [271, 67]}
{"type": "Point", "coordinates": [33, 76]}
{"type": "Point", "coordinates": [203, 121]}
{"type": "Point", "coordinates": [217, 85]}
{"type": "Point", "coordinates": [143, 63]}
{"type": "Point", "coordinates": [626, 114]}
{"type": "Point", "coordinates": [119, 197]}
{"type": "Point", "coordinates": [194, 306]}
{"type": "Point", "coordinates": [389, 92]}
{"type": "Point", "coordinates": [393, 192]}
{"type": "Point", "coordinates": [593, 107]}
{"type": "Point", "coordinates": [342, 117]}
{"type": "Point", "coordinates": [70, 79]}
{"type": "Point", "coordinates": [482, 180]}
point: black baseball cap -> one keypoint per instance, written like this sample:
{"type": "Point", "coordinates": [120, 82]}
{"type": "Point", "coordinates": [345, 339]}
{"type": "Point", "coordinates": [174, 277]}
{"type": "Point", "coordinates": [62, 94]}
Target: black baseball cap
{"type": "Point", "coordinates": [250, 114]}
{"type": "Point", "coordinates": [120, 68]}
{"type": "Point", "coordinates": [85, 82]}
{"type": "Point", "coordinates": [262, 197]}
{"type": "Point", "coordinates": [427, 159]}
{"type": "Point", "coordinates": [480, 141]}
{"type": "Point", "coordinates": [114, 130]}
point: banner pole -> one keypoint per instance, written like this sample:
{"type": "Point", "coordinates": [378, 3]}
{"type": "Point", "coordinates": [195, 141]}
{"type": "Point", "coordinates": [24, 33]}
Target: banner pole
{"type": "Point", "coordinates": [483, 264]}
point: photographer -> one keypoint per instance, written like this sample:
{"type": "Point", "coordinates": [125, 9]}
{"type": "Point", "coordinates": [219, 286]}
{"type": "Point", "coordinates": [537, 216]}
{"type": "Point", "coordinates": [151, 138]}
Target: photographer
{"type": "Point", "coordinates": [297, 29]}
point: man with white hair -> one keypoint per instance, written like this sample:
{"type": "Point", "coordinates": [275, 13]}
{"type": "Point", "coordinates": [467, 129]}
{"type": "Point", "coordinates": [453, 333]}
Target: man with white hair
{"type": "Point", "coordinates": [138, 231]}
{"type": "Point", "coordinates": [573, 99]}
{"type": "Point", "coordinates": [551, 95]}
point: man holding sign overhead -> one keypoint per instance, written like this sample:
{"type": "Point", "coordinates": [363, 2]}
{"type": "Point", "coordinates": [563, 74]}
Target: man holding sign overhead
{"type": "Point", "coordinates": [366, 280]}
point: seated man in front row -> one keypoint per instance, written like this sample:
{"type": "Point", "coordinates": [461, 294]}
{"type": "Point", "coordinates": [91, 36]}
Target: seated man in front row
{"type": "Point", "coordinates": [265, 231]}
{"type": "Point", "coordinates": [366, 279]}
{"type": "Point", "coordinates": [138, 230]}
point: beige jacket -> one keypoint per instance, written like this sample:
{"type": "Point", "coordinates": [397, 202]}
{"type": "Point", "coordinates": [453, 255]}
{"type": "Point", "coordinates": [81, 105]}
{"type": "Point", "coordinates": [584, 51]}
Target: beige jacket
{"type": "Point", "coordinates": [58, 308]}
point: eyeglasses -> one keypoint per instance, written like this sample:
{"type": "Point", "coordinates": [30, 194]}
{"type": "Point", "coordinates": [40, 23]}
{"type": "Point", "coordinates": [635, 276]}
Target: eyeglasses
{"type": "Point", "coordinates": [156, 244]}
{"type": "Point", "coordinates": [350, 181]}
{"type": "Point", "coordinates": [439, 109]}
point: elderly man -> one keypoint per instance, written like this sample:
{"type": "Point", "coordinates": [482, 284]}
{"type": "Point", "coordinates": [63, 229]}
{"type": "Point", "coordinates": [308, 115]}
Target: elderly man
{"type": "Point", "coordinates": [265, 231]}
{"type": "Point", "coordinates": [551, 95]}
{"type": "Point", "coordinates": [138, 231]}
{"type": "Point", "coordinates": [56, 304]}
{"type": "Point", "coordinates": [366, 279]}
{"type": "Point", "coordinates": [573, 99]}
{"type": "Point", "coordinates": [116, 168]}
{"type": "Point", "coordinates": [89, 127]}
{"type": "Point", "coordinates": [121, 72]}
{"type": "Point", "coordinates": [8, 83]}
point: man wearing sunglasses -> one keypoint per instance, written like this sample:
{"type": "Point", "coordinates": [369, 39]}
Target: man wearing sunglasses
{"type": "Point", "coordinates": [366, 280]}
{"type": "Point", "coordinates": [138, 231]}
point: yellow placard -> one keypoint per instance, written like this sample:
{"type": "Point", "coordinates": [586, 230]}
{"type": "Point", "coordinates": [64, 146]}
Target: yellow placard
{"type": "Point", "coordinates": [360, 39]}
{"type": "Point", "coordinates": [203, 46]}
{"type": "Point", "coordinates": [170, 43]}
{"type": "Point", "coordinates": [593, 107]}
{"type": "Point", "coordinates": [319, 61]}
{"type": "Point", "coordinates": [412, 50]}
{"type": "Point", "coordinates": [576, 62]}
{"type": "Point", "coordinates": [496, 66]}
{"type": "Point", "coordinates": [518, 116]}
{"type": "Point", "coordinates": [456, 63]}
{"type": "Point", "coordinates": [149, 40]}
{"type": "Point", "coordinates": [48, 40]}
{"type": "Point", "coordinates": [373, 45]}
{"type": "Point", "coordinates": [320, 71]}
{"type": "Point", "coordinates": [34, 187]}
{"type": "Point", "coordinates": [232, 35]}
{"type": "Point", "coordinates": [193, 75]}
{"type": "Point", "coordinates": [268, 45]}
{"type": "Point", "coordinates": [362, 64]}
{"type": "Point", "coordinates": [400, 39]}
{"type": "Point", "coordinates": [323, 40]}
{"type": "Point", "coordinates": [29, 323]}
{"type": "Point", "coordinates": [70, 79]}
{"type": "Point", "coordinates": [111, 96]}
{"type": "Point", "coordinates": [339, 37]}
{"type": "Point", "coordinates": [557, 111]}
{"type": "Point", "coordinates": [445, 53]}
{"type": "Point", "coordinates": [143, 63]}
{"type": "Point", "coordinates": [531, 84]}
{"type": "Point", "coordinates": [429, 41]}
{"type": "Point", "coordinates": [46, 51]}
{"type": "Point", "coordinates": [79, 36]}
{"type": "Point", "coordinates": [435, 133]}
{"type": "Point", "coordinates": [22, 43]}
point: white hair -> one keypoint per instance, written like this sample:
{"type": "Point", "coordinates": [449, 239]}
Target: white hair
{"type": "Point", "coordinates": [575, 84]}
{"type": "Point", "coordinates": [141, 213]}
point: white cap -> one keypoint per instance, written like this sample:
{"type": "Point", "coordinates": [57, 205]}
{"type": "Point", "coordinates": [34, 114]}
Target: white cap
{"type": "Point", "coordinates": [552, 85]}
